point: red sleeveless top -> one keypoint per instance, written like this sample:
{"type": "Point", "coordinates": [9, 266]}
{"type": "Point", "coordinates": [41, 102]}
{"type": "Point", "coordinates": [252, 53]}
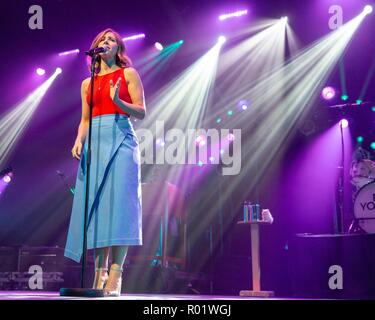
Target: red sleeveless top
{"type": "Point", "coordinates": [103, 103]}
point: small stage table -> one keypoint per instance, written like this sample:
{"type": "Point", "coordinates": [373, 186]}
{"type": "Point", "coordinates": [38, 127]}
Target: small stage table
{"type": "Point", "coordinates": [255, 262]}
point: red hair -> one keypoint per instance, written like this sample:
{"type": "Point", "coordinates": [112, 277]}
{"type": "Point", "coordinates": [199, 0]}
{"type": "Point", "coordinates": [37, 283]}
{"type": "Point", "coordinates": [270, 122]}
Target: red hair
{"type": "Point", "coordinates": [122, 60]}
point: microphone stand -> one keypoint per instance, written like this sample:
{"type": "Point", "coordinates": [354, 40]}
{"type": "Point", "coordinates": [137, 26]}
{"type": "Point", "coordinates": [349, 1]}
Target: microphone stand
{"type": "Point", "coordinates": [340, 189]}
{"type": "Point", "coordinates": [82, 291]}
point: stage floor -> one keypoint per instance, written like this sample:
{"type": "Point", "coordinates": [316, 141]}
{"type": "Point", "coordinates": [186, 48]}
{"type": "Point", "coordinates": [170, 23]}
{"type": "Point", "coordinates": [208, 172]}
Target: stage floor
{"type": "Point", "coordinates": [46, 295]}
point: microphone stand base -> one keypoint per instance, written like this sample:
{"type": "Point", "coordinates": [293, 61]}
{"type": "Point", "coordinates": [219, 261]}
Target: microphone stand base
{"type": "Point", "coordinates": [81, 292]}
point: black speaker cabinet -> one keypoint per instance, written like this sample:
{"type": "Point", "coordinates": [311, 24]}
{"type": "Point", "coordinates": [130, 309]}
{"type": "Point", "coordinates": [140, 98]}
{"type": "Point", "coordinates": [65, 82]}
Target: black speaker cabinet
{"type": "Point", "coordinates": [332, 266]}
{"type": "Point", "coordinates": [9, 259]}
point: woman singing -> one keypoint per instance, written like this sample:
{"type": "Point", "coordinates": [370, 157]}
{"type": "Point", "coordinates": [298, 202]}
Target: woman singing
{"type": "Point", "coordinates": [115, 212]}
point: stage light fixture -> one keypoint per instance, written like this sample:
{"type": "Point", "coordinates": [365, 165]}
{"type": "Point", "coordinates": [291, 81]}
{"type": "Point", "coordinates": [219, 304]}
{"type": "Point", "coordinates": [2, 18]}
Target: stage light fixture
{"type": "Point", "coordinates": [328, 93]}
{"type": "Point", "coordinates": [232, 15]}
{"type": "Point", "coordinates": [367, 9]}
{"type": "Point", "coordinates": [284, 19]}
{"type": "Point", "coordinates": [40, 71]}
{"type": "Point", "coordinates": [134, 37]}
{"type": "Point", "coordinates": [70, 52]}
{"type": "Point", "coordinates": [344, 123]}
{"type": "Point", "coordinates": [344, 97]}
{"type": "Point", "coordinates": [158, 46]}
{"type": "Point", "coordinates": [6, 176]}
{"type": "Point", "coordinates": [221, 40]}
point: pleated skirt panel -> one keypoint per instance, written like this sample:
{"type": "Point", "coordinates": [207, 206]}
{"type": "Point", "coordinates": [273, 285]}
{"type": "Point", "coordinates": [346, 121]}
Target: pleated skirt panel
{"type": "Point", "coordinates": [115, 199]}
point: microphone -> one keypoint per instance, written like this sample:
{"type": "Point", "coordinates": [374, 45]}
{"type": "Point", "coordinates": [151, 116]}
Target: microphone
{"type": "Point", "coordinates": [97, 50]}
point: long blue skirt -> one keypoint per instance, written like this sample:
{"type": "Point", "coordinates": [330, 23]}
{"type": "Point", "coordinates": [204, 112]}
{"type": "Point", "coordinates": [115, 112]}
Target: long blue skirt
{"type": "Point", "coordinates": [115, 200]}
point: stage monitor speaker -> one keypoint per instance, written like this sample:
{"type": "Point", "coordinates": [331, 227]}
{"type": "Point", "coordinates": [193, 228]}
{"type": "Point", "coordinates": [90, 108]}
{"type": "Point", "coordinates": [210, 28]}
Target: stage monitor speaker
{"type": "Point", "coordinates": [49, 258]}
{"type": "Point", "coordinates": [8, 259]}
{"type": "Point", "coordinates": [332, 266]}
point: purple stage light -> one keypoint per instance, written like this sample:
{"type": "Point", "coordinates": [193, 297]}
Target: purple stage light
{"type": "Point", "coordinates": [40, 71]}
{"type": "Point", "coordinates": [367, 9]}
{"type": "Point", "coordinates": [232, 15]}
{"type": "Point", "coordinates": [65, 53]}
{"type": "Point", "coordinates": [6, 175]}
{"type": "Point", "coordinates": [328, 93]}
{"type": "Point", "coordinates": [134, 37]}
{"type": "Point", "coordinates": [243, 104]}
{"type": "Point", "coordinates": [221, 39]}
{"type": "Point", "coordinates": [284, 19]}
{"type": "Point", "coordinates": [344, 123]}
{"type": "Point", "coordinates": [159, 46]}
{"type": "Point", "coordinates": [7, 178]}
{"type": "Point", "coordinates": [58, 70]}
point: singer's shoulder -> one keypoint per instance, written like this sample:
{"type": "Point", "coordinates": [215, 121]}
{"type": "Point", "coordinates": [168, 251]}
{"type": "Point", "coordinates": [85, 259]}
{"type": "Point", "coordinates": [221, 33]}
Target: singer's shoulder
{"type": "Point", "coordinates": [85, 83]}
{"type": "Point", "coordinates": [131, 73]}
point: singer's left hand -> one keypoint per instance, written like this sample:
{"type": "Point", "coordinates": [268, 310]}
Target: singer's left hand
{"type": "Point", "coordinates": [114, 89]}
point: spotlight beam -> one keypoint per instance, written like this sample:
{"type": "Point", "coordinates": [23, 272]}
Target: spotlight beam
{"type": "Point", "coordinates": [369, 76]}
{"type": "Point", "coordinates": [182, 104]}
{"type": "Point", "coordinates": [281, 98]}
{"type": "Point", "coordinates": [70, 52]}
{"type": "Point", "coordinates": [232, 15]}
{"type": "Point", "coordinates": [253, 58]}
{"type": "Point", "coordinates": [13, 124]}
{"type": "Point", "coordinates": [134, 37]}
{"type": "Point", "coordinates": [190, 88]}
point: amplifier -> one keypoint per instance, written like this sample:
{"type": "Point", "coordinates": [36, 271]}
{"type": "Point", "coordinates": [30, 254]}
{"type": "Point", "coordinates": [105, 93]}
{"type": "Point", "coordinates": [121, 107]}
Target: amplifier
{"type": "Point", "coordinates": [332, 266]}
{"type": "Point", "coordinates": [9, 259]}
{"type": "Point", "coordinates": [21, 281]}
{"type": "Point", "coordinates": [49, 258]}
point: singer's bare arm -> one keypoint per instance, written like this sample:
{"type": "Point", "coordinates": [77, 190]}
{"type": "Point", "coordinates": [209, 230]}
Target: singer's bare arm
{"type": "Point", "coordinates": [136, 109]}
{"type": "Point", "coordinates": [84, 123]}
{"type": "Point", "coordinates": [85, 118]}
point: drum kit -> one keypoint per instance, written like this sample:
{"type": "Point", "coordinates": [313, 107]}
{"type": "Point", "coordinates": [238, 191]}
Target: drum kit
{"type": "Point", "coordinates": [363, 179]}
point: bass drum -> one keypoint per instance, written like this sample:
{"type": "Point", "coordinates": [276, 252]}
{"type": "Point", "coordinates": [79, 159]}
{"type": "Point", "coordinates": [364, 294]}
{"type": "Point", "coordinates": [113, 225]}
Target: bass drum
{"type": "Point", "coordinates": [364, 207]}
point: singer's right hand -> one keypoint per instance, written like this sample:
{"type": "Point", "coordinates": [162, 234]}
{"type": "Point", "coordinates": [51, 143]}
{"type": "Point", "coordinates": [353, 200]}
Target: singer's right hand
{"type": "Point", "coordinates": [77, 149]}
